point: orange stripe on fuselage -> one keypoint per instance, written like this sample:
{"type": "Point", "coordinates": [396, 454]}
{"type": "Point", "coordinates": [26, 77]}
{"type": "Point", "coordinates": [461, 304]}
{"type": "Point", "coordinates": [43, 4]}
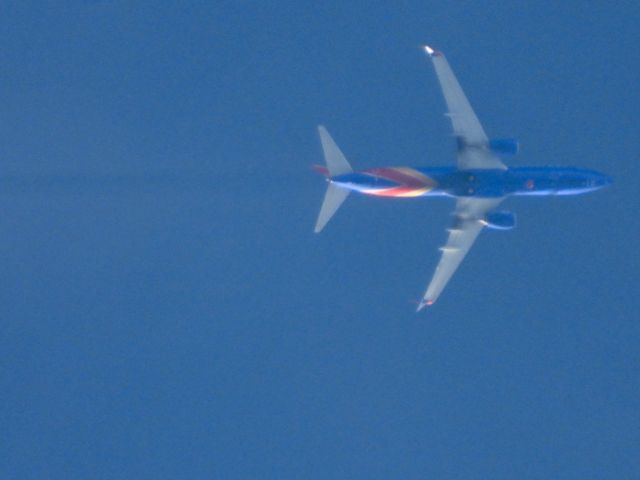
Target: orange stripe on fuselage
{"type": "Point", "coordinates": [398, 192]}
{"type": "Point", "coordinates": [413, 183]}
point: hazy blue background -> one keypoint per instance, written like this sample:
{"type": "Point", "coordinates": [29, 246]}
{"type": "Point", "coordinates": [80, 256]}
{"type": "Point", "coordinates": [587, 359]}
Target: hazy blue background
{"type": "Point", "coordinates": [167, 312]}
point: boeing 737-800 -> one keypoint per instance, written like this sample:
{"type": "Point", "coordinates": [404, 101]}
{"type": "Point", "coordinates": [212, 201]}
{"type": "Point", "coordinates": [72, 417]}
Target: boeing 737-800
{"type": "Point", "coordinates": [479, 181]}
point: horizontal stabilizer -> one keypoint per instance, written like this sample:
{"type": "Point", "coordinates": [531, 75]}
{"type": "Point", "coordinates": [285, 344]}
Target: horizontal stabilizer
{"type": "Point", "coordinates": [332, 200]}
{"type": "Point", "coordinates": [336, 162]}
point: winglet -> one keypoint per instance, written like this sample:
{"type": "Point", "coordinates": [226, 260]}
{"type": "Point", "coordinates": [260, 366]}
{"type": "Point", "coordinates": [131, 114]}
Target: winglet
{"type": "Point", "coordinates": [424, 303]}
{"type": "Point", "coordinates": [431, 52]}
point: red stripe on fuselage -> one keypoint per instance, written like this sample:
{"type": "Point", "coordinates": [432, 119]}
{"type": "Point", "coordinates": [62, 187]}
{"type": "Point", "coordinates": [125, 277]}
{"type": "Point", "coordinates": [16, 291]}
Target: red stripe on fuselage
{"type": "Point", "coordinates": [412, 183]}
{"type": "Point", "coordinates": [398, 176]}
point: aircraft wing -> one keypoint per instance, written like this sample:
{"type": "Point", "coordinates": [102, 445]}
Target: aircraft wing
{"type": "Point", "coordinates": [472, 140]}
{"type": "Point", "coordinates": [467, 225]}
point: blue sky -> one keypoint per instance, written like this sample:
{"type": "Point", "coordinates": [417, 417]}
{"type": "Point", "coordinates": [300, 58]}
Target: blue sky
{"type": "Point", "coordinates": [167, 311]}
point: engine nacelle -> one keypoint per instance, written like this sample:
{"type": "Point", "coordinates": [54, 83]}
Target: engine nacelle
{"type": "Point", "coordinates": [504, 146]}
{"type": "Point", "coordinates": [500, 220]}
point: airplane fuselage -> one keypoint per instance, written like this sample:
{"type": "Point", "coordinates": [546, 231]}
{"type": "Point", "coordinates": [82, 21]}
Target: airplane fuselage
{"type": "Point", "coordinates": [452, 182]}
{"type": "Point", "coordinates": [479, 181]}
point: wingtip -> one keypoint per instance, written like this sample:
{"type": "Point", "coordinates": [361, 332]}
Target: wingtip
{"type": "Point", "coordinates": [432, 52]}
{"type": "Point", "coordinates": [424, 303]}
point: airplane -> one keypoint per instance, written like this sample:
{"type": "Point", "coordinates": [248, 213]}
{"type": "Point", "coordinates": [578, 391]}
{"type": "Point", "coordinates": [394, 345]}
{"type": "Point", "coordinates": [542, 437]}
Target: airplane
{"type": "Point", "coordinates": [479, 181]}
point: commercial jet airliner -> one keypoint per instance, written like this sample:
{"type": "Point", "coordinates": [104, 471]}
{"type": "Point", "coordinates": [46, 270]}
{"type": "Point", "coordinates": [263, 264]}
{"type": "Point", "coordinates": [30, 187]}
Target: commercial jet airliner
{"type": "Point", "coordinates": [479, 181]}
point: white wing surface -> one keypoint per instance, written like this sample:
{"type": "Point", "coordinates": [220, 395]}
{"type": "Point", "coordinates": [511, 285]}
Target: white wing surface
{"type": "Point", "coordinates": [468, 222]}
{"type": "Point", "coordinates": [472, 140]}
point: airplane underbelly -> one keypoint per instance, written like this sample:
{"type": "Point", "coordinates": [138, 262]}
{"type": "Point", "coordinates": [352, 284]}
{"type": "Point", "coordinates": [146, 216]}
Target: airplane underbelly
{"type": "Point", "coordinates": [399, 182]}
{"type": "Point", "coordinates": [400, 192]}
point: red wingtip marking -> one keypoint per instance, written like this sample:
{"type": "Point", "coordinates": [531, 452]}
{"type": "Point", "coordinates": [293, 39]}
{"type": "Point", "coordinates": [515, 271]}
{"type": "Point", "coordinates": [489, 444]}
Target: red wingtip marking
{"type": "Point", "coordinates": [424, 303]}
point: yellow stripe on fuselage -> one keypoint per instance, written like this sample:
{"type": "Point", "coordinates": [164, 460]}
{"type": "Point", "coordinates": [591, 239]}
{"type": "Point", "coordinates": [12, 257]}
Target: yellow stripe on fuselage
{"type": "Point", "coordinates": [415, 193]}
{"type": "Point", "coordinates": [416, 185]}
{"type": "Point", "coordinates": [390, 192]}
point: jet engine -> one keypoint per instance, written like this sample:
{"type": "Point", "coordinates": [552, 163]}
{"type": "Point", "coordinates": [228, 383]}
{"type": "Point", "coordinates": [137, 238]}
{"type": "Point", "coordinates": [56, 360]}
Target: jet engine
{"type": "Point", "coordinates": [504, 146]}
{"type": "Point", "coordinates": [500, 220]}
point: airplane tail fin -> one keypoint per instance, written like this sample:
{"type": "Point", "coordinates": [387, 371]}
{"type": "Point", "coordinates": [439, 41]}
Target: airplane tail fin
{"type": "Point", "coordinates": [336, 165]}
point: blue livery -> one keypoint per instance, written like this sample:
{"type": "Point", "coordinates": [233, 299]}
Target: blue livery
{"type": "Point", "coordinates": [478, 182]}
